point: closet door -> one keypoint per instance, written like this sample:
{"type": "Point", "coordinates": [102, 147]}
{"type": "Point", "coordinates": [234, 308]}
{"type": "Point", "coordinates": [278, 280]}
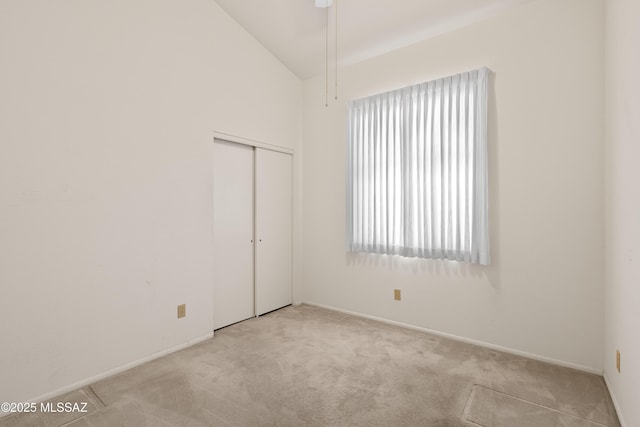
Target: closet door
{"type": "Point", "coordinates": [233, 233]}
{"type": "Point", "coordinates": [273, 230]}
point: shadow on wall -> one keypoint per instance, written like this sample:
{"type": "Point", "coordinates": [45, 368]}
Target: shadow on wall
{"type": "Point", "coordinates": [454, 268]}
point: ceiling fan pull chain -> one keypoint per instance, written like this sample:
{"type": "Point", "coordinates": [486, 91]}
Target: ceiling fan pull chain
{"type": "Point", "coordinates": [336, 50]}
{"type": "Point", "coordinates": [326, 58]}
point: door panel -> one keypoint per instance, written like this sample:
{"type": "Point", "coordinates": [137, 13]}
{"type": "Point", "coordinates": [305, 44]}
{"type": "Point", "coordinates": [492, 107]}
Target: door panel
{"type": "Point", "coordinates": [233, 228]}
{"type": "Point", "coordinates": [273, 230]}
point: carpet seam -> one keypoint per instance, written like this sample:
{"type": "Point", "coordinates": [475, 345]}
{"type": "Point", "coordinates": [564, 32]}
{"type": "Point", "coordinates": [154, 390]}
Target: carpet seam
{"type": "Point", "coordinates": [465, 410]}
{"type": "Point", "coordinates": [92, 394]}
{"type": "Point", "coordinates": [540, 405]}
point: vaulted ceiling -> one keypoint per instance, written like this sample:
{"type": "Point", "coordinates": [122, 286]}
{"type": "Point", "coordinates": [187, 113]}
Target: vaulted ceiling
{"type": "Point", "coordinates": [295, 30]}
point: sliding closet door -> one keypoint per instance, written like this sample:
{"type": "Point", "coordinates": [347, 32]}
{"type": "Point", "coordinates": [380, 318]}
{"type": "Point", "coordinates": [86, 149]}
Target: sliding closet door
{"type": "Point", "coordinates": [233, 231]}
{"type": "Point", "coordinates": [273, 230]}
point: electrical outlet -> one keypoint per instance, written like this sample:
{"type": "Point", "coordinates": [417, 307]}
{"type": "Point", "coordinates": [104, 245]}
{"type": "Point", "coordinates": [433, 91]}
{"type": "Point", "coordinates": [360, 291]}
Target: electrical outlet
{"type": "Point", "coordinates": [396, 294]}
{"type": "Point", "coordinates": [618, 360]}
{"type": "Point", "coordinates": [182, 310]}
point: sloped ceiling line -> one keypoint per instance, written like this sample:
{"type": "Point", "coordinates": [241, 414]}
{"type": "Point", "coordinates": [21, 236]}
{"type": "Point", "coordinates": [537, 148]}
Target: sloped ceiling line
{"type": "Point", "coordinates": [294, 30]}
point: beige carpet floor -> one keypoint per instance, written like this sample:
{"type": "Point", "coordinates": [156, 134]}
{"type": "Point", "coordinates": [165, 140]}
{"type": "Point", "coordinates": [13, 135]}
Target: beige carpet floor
{"type": "Point", "coordinates": [307, 366]}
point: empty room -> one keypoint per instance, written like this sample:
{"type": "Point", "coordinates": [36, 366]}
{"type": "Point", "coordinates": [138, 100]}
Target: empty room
{"type": "Point", "coordinates": [319, 213]}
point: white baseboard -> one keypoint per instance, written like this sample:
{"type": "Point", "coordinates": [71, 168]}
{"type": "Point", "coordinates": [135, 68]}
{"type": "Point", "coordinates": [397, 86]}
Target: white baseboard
{"type": "Point", "coordinates": [616, 405]}
{"type": "Point", "coordinates": [87, 381]}
{"type": "Point", "coordinates": [465, 340]}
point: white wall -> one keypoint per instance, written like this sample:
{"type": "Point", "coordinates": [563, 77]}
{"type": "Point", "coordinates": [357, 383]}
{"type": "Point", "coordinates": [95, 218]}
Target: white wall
{"type": "Point", "coordinates": [622, 317]}
{"type": "Point", "coordinates": [543, 293]}
{"type": "Point", "coordinates": [108, 110]}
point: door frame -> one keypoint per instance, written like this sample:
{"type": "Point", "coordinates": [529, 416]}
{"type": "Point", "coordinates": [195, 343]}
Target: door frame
{"type": "Point", "coordinates": [251, 142]}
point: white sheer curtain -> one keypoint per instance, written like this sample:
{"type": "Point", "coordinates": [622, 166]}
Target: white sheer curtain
{"type": "Point", "coordinates": [417, 171]}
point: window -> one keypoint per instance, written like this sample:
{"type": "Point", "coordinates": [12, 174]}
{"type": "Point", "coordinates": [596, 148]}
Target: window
{"type": "Point", "coordinates": [417, 171]}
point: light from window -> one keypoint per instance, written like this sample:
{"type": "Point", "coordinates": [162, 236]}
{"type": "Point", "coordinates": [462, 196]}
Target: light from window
{"type": "Point", "coordinates": [417, 171]}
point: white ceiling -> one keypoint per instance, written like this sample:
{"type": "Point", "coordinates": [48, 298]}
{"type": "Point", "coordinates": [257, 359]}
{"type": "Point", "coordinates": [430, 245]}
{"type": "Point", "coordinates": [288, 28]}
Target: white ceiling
{"type": "Point", "coordinates": [294, 30]}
